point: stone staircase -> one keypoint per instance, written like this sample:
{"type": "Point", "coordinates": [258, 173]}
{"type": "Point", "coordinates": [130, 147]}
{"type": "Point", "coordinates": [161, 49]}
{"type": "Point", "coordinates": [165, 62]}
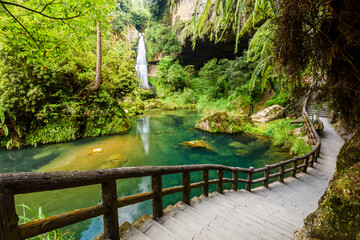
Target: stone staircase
{"type": "Point", "coordinates": [312, 110]}
{"type": "Point", "coordinates": [232, 215]}
{"type": "Point", "coordinates": [323, 112]}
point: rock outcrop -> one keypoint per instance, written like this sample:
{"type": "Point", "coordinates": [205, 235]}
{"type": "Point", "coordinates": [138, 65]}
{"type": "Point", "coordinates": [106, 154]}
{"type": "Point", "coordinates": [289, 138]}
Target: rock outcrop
{"type": "Point", "coordinates": [220, 122]}
{"type": "Point", "coordinates": [269, 114]}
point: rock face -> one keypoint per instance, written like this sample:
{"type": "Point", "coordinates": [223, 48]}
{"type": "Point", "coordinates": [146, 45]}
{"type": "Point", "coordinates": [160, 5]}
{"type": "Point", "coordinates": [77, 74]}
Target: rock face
{"type": "Point", "coordinates": [185, 10]}
{"type": "Point", "coordinates": [269, 114]}
{"type": "Point", "coordinates": [220, 122]}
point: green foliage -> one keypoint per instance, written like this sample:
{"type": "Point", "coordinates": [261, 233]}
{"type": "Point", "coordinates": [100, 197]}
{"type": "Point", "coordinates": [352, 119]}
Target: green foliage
{"type": "Point", "coordinates": [282, 133]}
{"type": "Point", "coordinates": [162, 40]}
{"type": "Point", "coordinates": [172, 77]}
{"type": "Point", "coordinates": [220, 85]}
{"type": "Point", "coordinates": [157, 8]}
{"type": "Point", "coordinates": [121, 17]}
{"type": "Point", "coordinates": [37, 214]}
{"type": "Point", "coordinates": [40, 38]}
{"type": "Point", "coordinates": [211, 78]}
{"type": "Point", "coordinates": [43, 105]}
{"type": "Point", "coordinates": [140, 18]}
{"type": "Point", "coordinates": [279, 99]}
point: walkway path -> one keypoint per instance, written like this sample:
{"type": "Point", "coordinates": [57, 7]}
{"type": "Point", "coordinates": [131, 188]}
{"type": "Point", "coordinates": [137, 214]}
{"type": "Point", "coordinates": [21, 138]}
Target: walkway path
{"type": "Point", "coordinates": [273, 213]}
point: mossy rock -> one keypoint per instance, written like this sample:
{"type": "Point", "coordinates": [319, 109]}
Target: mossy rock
{"type": "Point", "coordinates": [237, 145]}
{"type": "Point", "coordinates": [220, 122]}
{"type": "Point", "coordinates": [198, 144]}
{"type": "Point", "coordinates": [241, 152]}
{"type": "Point", "coordinates": [115, 161]}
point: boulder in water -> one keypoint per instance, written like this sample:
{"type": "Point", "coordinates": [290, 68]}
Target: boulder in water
{"type": "Point", "coordinates": [198, 144]}
{"type": "Point", "coordinates": [241, 152]}
{"type": "Point", "coordinates": [237, 145]}
{"type": "Point", "coordinates": [220, 122]}
{"type": "Point", "coordinates": [271, 113]}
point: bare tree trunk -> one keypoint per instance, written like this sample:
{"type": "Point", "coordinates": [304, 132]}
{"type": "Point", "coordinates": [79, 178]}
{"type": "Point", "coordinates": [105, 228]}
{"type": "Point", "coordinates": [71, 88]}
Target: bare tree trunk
{"type": "Point", "coordinates": [96, 84]}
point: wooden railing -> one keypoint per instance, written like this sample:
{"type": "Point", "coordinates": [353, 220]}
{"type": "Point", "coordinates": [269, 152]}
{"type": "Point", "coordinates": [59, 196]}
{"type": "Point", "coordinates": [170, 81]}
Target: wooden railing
{"type": "Point", "coordinates": [19, 183]}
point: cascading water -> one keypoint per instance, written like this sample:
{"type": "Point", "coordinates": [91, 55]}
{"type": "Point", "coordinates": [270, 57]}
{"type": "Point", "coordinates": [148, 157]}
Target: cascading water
{"type": "Point", "coordinates": [141, 63]}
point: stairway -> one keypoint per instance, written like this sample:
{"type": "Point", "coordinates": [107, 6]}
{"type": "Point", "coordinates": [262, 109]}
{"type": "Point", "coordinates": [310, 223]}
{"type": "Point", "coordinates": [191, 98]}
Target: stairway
{"type": "Point", "coordinates": [312, 110]}
{"type": "Point", "coordinates": [323, 112]}
{"type": "Point", "coordinates": [232, 215]}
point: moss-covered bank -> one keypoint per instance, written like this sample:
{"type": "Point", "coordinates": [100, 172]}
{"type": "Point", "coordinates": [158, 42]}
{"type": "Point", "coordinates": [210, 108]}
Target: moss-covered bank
{"type": "Point", "coordinates": [338, 214]}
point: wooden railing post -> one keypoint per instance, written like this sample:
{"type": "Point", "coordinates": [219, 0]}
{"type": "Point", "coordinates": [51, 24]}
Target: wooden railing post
{"type": "Point", "coordinates": [186, 184]}
{"type": "Point", "coordinates": [9, 228]}
{"type": "Point", "coordinates": [111, 218]}
{"type": "Point", "coordinates": [317, 153]}
{"type": "Point", "coordinates": [312, 160]}
{"type": "Point", "coordinates": [266, 176]}
{"type": "Point", "coordinates": [220, 174]}
{"type": "Point", "coordinates": [156, 182]}
{"type": "Point", "coordinates": [205, 178]}
{"type": "Point", "coordinates": [249, 179]}
{"type": "Point", "coordinates": [295, 164]}
{"type": "Point", "coordinates": [235, 178]}
{"type": "Point", "coordinates": [306, 162]}
{"type": "Point", "coordinates": [282, 172]}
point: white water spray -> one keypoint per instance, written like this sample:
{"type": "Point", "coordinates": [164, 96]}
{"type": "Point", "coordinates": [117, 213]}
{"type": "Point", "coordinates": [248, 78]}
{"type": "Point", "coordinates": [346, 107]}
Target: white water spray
{"type": "Point", "coordinates": [141, 63]}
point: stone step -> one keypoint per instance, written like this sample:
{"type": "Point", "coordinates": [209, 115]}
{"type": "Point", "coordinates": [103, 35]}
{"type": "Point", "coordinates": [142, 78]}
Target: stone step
{"type": "Point", "coordinates": [178, 227]}
{"type": "Point", "coordinates": [156, 231]}
{"type": "Point", "coordinates": [258, 216]}
{"type": "Point", "coordinates": [135, 234]}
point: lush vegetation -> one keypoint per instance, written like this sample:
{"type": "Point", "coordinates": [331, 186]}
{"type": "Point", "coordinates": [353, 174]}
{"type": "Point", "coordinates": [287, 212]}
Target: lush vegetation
{"type": "Point", "coordinates": [219, 85]}
{"type": "Point", "coordinates": [45, 94]}
{"type": "Point", "coordinates": [283, 134]}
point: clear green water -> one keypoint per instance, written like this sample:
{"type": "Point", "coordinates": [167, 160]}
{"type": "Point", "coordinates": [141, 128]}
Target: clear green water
{"type": "Point", "coordinates": [154, 141]}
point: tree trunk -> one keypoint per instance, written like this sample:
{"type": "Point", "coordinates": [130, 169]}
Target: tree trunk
{"type": "Point", "coordinates": [96, 84]}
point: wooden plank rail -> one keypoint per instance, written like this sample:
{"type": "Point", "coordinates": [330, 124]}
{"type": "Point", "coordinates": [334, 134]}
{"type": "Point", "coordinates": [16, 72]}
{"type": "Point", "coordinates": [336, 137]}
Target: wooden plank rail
{"type": "Point", "coordinates": [20, 183]}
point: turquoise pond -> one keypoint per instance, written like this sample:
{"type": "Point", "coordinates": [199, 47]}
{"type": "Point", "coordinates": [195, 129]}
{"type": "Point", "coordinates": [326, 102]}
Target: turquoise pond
{"type": "Point", "coordinates": [154, 140]}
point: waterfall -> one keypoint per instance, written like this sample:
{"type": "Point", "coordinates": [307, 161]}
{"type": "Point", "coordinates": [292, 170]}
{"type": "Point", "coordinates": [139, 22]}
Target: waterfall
{"type": "Point", "coordinates": [141, 63]}
{"type": "Point", "coordinates": [144, 130]}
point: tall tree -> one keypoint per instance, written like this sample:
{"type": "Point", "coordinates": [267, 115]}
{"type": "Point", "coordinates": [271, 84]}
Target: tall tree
{"type": "Point", "coordinates": [96, 84]}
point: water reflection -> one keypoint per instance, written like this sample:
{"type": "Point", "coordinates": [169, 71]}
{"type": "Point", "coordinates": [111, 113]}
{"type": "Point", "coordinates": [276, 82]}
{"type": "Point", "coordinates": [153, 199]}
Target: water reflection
{"type": "Point", "coordinates": [144, 131]}
{"type": "Point", "coordinates": [129, 213]}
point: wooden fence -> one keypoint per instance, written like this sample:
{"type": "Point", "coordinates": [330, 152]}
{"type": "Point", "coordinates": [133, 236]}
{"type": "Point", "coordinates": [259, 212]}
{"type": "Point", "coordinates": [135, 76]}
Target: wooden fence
{"type": "Point", "coordinates": [19, 183]}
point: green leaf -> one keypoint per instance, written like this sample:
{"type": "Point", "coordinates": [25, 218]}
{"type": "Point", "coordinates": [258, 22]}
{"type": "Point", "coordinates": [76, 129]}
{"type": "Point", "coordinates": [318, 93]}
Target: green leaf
{"type": "Point", "coordinates": [2, 116]}
{"type": "Point", "coordinates": [6, 130]}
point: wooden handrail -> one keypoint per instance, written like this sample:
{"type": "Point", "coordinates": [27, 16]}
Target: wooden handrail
{"type": "Point", "coordinates": [29, 182]}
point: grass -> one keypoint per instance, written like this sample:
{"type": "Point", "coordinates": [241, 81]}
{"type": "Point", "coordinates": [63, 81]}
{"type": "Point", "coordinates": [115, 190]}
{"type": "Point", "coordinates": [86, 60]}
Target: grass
{"type": "Point", "coordinates": [282, 133]}
{"type": "Point", "coordinates": [37, 214]}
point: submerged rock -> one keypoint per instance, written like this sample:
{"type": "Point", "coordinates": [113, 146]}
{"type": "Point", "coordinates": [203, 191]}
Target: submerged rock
{"type": "Point", "coordinates": [237, 145]}
{"type": "Point", "coordinates": [198, 144]}
{"type": "Point", "coordinates": [269, 114]}
{"type": "Point", "coordinates": [118, 157]}
{"type": "Point", "coordinates": [241, 152]}
{"type": "Point", "coordinates": [220, 122]}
